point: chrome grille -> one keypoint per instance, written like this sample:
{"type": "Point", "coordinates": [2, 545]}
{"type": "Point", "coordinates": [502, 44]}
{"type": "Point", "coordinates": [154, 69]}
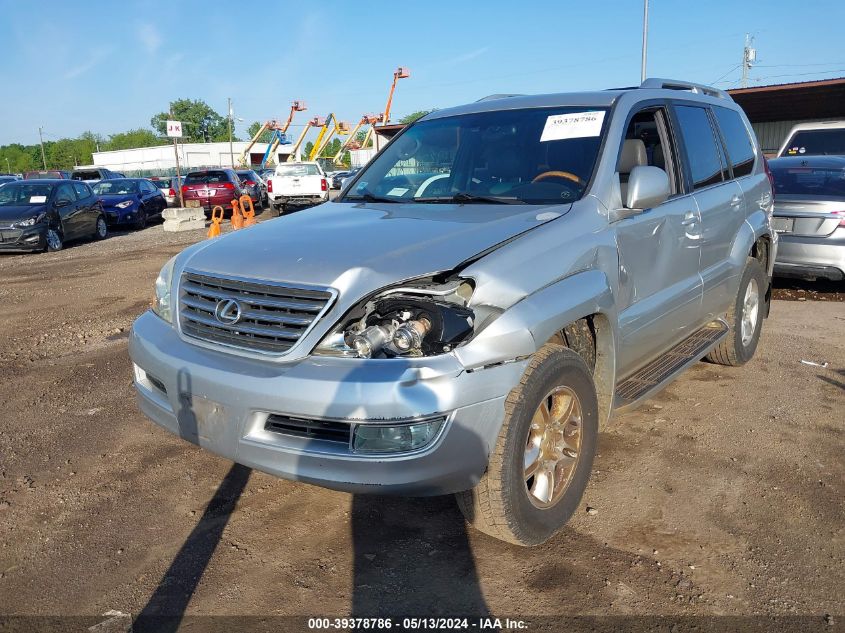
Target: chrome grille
{"type": "Point", "coordinates": [273, 316]}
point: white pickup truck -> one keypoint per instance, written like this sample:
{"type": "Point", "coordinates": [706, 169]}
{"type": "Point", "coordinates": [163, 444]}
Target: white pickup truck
{"type": "Point", "coordinates": [297, 185]}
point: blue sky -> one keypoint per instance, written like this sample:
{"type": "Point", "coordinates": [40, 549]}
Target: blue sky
{"type": "Point", "coordinates": [109, 66]}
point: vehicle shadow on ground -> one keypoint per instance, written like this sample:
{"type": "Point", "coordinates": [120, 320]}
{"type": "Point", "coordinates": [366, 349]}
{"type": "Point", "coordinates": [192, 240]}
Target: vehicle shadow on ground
{"type": "Point", "coordinates": [412, 557]}
{"type": "Point", "coordinates": [832, 381]}
{"type": "Point", "coordinates": [164, 610]}
{"type": "Point", "coordinates": [166, 607]}
{"type": "Point", "coordinates": [794, 289]}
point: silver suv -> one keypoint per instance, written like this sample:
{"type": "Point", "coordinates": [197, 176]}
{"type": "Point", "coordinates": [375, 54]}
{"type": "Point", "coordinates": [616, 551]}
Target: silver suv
{"type": "Point", "coordinates": [478, 302]}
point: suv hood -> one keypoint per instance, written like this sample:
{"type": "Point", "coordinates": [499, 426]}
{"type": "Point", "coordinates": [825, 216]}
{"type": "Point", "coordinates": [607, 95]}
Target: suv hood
{"type": "Point", "coordinates": [367, 245]}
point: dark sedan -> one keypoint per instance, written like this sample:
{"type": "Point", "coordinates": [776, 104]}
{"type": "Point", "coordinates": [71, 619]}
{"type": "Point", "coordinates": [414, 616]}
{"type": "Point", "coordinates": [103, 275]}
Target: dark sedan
{"type": "Point", "coordinates": [44, 214]}
{"type": "Point", "coordinates": [130, 201]}
{"type": "Point", "coordinates": [253, 185]}
{"type": "Point", "coordinates": [809, 216]}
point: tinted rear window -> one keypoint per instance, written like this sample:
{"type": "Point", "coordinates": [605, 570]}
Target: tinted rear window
{"type": "Point", "coordinates": [816, 142]}
{"type": "Point", "coordinates": [161, 184]}
{"type": "Point", "coordinates": [202, 177]}
{"type": "Point", "coordinates": [809, 181]}
{"type": "Point", "coordinates": [35, 175]}
{"type": "Point", "coordinates": [87, 174]}
{"type": "Point", "coordinates": [740, 147]}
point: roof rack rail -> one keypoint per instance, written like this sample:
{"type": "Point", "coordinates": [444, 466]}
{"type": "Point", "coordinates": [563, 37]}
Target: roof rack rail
{"type": "Point", "coordinates": [498, 96]}
{"type": "Point", "coordinates": [675, 84]}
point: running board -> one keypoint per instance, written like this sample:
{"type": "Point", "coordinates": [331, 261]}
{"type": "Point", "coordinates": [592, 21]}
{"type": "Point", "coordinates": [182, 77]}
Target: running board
{"type": "Point", "coordinates": [659, 371]}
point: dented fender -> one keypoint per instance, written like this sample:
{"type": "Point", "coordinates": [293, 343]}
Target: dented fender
{"type": "Point", "coordinates": [525, 327]}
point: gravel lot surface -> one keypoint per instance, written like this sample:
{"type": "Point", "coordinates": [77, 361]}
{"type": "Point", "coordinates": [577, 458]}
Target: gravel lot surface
{"type": "Point", "coordinates": [721, 496]}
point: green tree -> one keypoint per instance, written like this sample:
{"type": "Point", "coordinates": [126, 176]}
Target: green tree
{"type": "Point", "coordinates": [252, 130]}
{"type": "Point", "coordinates": [140, 137]}
{"type": "Point", "coordinates": [200, 123]}
{"type": "Point", "coordinates": [309, 146]}
{"type": "Point", "coordinates": [410, 118]}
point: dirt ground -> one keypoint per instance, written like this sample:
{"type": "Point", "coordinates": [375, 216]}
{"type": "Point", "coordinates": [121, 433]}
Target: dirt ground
{"type": "Point", "coordinates": [723, 496]}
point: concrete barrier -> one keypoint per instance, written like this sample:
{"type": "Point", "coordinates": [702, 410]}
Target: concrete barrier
{"type": "Point", "coordinates": [182, 219]}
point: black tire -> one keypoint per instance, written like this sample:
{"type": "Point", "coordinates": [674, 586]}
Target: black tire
{"type": "Point", "coordinates": [101, 228]}
{"type": "Point", "coordinates": [54, 240]}
{"type": "Point", "coordinates": [733, 351]}
{"type": "Point", "coordinates": [500, 504]}
{"type": "Point", "coordinates": [141, 220]}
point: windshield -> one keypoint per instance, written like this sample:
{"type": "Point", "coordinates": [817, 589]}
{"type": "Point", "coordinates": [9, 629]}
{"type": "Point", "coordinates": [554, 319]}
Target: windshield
{"type": "Point", "coordinates": [115, 187]}
{"type": "Point", "coordinates": [22, 193]}
{"type": "Point", "coordinates": [816, 142]}
{"type": "Point", "coordinates": [530, 156]}
{"type": "Point", "coordinates": [822, 182]}
{"type": "Point", "coordinates": [202, 177]}
{"type": "Point", "coordinates": [297, 170]}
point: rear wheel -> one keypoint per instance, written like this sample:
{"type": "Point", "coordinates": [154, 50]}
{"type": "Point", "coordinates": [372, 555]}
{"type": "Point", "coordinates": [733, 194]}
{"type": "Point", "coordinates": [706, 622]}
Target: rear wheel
{"type": "Point", "coordinates": [542, 460]}
{"type": "Point", "coordinates": [745, 318]}
{"type": "Point", "coordinates": [55, 240]}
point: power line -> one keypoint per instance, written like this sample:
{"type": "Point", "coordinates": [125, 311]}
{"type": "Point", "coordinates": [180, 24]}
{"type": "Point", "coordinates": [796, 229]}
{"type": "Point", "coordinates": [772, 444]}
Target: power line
{"type": "Point", "coordinates": [733, 68]}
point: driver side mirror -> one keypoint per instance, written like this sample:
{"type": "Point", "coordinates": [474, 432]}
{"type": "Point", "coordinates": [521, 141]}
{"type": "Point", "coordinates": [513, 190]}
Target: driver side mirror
{"type": "Point", "coordinates": [647, 187]}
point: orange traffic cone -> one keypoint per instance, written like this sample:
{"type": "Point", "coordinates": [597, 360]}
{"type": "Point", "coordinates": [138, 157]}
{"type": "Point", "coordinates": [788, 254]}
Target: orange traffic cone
{"type": "Point", "coordinates": [249, 214]}
{"type": "Point", "coordinates": [237, 218]}
{"type": "Point", "coordinates": [216, 219]}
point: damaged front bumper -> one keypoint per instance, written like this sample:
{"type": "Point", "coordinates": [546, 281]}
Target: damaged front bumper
{"type": "Point", "coordinates": [289, 419]}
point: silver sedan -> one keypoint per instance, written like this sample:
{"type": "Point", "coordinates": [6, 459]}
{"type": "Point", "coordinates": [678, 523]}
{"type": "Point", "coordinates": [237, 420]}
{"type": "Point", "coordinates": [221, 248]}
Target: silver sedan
{"type": "Point", "coordinates": [809, 215]}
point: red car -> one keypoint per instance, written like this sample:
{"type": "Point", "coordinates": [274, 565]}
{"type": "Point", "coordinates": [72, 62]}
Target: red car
{"type": "Point", "coordinates": [212, 187]}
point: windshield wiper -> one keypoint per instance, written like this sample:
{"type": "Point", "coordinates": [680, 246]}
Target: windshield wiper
{"type": "Point", "coordinates": [366, 196]}
{"type": "Point", "coordinates": [462, 197]}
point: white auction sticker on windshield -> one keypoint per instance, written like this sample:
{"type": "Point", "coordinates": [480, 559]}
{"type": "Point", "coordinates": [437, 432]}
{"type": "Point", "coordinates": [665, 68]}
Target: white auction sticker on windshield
{"type": "Point", "coordinates": [37, 199]}
{"type": "Point", "coordinates": [574, 125]}
{"type": "Point", "coordinates": [397, 191]}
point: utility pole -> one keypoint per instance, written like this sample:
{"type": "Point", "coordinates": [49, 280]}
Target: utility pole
{"type": "Point", "coordinates": [43, 158]}
{"type": "Point", "coordinates": [8, 165]}
{"type": "Point", "coordinates": [749, 56]}
{"type": "Point", "coordinates": [645, 40]}
{"type": "Point", "coordinates": [231, 152]}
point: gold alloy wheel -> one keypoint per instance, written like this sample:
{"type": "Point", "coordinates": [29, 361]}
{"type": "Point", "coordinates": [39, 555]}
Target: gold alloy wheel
{"type": "Point", "coordinates": [553, 446]}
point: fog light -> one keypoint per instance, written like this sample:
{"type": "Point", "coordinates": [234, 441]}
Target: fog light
{"type": "Point", "coordinates": [371, 438]}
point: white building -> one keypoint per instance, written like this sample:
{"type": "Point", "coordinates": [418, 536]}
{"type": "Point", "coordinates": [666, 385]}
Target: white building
{"type": "Point", "coordinates": [191, 156]}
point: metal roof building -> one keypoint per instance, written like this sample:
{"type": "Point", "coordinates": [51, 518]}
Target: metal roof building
{"type": "Point", "coordinates": [160, 158]}
{"type": "Point", "coordinates": [773, 110]}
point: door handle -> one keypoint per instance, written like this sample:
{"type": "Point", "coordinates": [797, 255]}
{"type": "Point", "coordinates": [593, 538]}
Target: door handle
{"type": "Point", "coordinates": [736, 200]}
{"type": "Point", "coordinates": [689, 219]}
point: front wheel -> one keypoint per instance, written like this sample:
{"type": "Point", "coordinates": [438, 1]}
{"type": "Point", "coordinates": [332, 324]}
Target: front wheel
{"type": "Point", "coordinates": [542, 460]}
{"type": "Point", "coordinates": [141, 220]}
{"type": "Point", "coordinates": [55, 240]}
{"type": "Point", "coordinates": [101, 230]}
{"type": "Point", "coordinates": [745, 318]}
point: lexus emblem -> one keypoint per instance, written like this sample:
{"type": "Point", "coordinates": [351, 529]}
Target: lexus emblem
{"type": "Point", "coordinates": [228, 311]}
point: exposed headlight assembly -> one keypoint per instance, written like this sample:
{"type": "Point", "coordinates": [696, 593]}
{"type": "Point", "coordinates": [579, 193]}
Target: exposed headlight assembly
{"type": "Point", "coordinates": [419, 320]}
{"type": "Point", "coordinates": [29, 221]}
{"type": "Point", "coordinates": [162, 304]}
{"type": "Point", "coordinates": [125, 204]}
